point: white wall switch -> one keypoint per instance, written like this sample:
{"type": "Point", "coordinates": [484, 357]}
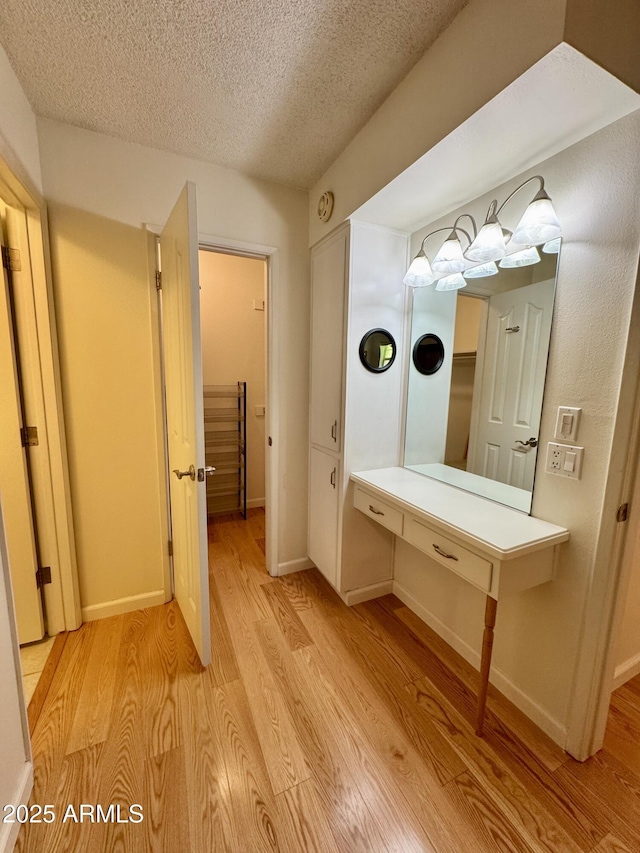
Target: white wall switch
{"type": "Point", "coordinates": [565, 460]}
{"type": "Point", "coordinates": [567, 423]}
{"type": "Point", "coordinates": [259, 410]}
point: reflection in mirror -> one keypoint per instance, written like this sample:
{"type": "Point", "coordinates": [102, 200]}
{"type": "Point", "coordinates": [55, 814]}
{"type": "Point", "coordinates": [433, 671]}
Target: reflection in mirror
{"type": "Point", "coordinates": [377, 350]}
{"type": "Point", "coordinates": [428, 354]}
{"type": "Point", "coordinates": [475, 423]}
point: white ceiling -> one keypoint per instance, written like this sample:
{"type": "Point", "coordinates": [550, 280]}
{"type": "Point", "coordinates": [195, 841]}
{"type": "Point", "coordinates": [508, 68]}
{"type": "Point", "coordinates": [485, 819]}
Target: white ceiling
{"type": "Point", "coordinates": [273, 88]}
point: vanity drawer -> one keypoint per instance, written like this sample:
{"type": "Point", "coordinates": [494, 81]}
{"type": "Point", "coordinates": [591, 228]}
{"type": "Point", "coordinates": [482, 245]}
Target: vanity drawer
{"type": "Point", "coordinates": [465, 563]}
{"type": "Point", "coordinates": [379, 511]}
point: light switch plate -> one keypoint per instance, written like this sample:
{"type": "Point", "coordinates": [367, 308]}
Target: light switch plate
{"type": "Point", "coordinates": [564, 460]}
{"type": "Point", "coordinates": [567, 423]}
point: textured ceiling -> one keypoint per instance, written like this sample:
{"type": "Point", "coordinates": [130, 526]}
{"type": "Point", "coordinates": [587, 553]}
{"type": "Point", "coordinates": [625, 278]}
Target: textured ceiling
{"type": "Point", "coordinates": [273, 88]}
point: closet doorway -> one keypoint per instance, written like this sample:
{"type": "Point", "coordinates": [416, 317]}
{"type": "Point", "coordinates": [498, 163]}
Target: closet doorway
{"type": "Point", "coordinates": [233, 311]}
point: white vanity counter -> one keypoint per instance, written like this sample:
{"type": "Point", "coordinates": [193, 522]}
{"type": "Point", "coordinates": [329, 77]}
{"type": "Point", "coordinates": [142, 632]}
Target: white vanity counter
{"type": "Point", "coordinates": [496, 549]}
{"type": "Point", "coordinates": [497, 530]}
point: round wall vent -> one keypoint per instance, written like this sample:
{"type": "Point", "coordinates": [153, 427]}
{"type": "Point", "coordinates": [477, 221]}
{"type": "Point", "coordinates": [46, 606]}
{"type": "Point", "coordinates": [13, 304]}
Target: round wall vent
{"type": "Point", "coordinates": [325, 207]}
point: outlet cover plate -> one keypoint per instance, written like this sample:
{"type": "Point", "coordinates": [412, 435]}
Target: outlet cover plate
{"type": "Point", "coordinates": [562, 465]}
{"type": "Point", "coordinates": [567, 423]}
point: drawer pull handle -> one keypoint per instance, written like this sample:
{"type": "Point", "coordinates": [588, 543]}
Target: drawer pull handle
{"type": "Point", "coordinates": [334, 431]}
{"type": "Point", "coordinates": [375, 511]}
{"type": "Point", "coordinates": [333, 478]}
{"type": "Point", "coordinates": [442, 553]}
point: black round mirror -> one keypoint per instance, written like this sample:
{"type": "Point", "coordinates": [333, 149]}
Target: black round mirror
{"type": "Point", "coordinates": [428, 354]}
{"type": "Point", "coordinates": [377, 350]}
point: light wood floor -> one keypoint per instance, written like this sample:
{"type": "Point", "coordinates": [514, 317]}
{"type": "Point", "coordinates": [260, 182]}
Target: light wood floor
{"type": "Point", "coordinates": [316, 728]}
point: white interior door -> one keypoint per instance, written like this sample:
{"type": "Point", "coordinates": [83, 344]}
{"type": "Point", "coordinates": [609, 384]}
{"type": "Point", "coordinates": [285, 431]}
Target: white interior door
{"type": "Point", "coordinates": [185, 417]}
{"type": "Point", "coordinates": [512, 384]}
{"type": "Point", "coordinates": [15, 492]}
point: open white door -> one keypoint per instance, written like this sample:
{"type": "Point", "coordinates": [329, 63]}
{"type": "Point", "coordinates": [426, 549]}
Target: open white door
{"type": "Point", "coordinates": [185, 417]}
{"type": "Point", "coordinates": [512, 385]}
{"type": "Point", "coordinates": [15, 489]}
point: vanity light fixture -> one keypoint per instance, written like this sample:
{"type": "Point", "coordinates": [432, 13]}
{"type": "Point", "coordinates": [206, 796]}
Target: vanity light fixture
{"type": "Point", "coordinates": [522, 258]}
{"type": "Point", "coordinates": [538, 225]}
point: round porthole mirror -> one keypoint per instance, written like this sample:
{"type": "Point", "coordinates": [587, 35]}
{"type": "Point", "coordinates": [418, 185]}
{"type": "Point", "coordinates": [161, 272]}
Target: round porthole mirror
{"type": "Point", "coordinates": [377, 350]}
{"type": "Point", "coordinates": [428, 354]}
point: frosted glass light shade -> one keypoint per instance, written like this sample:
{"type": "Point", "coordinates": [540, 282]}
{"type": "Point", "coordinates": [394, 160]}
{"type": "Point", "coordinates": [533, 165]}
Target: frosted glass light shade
{"type": "Point", "coordinates": [481, 271]}
{"type": "Point", "coordinates": [523, 258]}
{"type": "Point", "coordinates": [451, 282]}
{"type": "Point", "coordinates": [450, 258]}
{"type": "Point", "coordinates": [552, 247]}
{"type": "Point", "coordinates": [539, 224]}
{"type": "Point", "coordinates": [489, 245]}
{"type": "Point", "coordinates": [419, 273]}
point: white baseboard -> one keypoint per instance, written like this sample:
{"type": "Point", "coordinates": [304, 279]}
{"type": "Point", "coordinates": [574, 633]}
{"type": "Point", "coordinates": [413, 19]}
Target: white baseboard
{"type": "Point", "coordinates": [556, 731]}
{"type": "Point", "coordinates": [624, 671]}
{"type": "Point", "coordinates": [366, 593]}
{"type": "Point", "coordinates": [294, 566]}
{"type": "Point", "coordinates": [123, 605]}
{"type": "Point", "coordinates": [9, 831]}
{"type": "Point", "coordinates": [254, 502]}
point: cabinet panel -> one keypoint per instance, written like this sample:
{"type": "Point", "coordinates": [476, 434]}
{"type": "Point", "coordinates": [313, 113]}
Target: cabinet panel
{"type": "Point", "coordinates": [323, 513]}
{"type": "Point", "coordinates": [328, 273]}
{"type": "Point", "coordinates": [463, 562]}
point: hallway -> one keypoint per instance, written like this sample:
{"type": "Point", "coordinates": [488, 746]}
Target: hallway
{"type": "Point", "coordinates": [317, 727]}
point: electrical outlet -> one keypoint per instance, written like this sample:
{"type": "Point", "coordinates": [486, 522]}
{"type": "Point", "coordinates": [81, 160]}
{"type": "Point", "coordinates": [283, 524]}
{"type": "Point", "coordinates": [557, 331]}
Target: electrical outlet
{"type": "Point", "coordinates": [565, 460]}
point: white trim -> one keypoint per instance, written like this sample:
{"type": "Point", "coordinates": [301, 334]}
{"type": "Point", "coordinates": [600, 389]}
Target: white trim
{"type": "Point", "coordinates": [123, 605]}
{"type": "Point", "coordinates": [366, 593]}
{"type": "Point", "coordinates": [556, 731]}
{"type": "Point", "coordinates": [625, 671]}
{"type": "Point", "coordinates": [292, 566]}
{"type": "Point", "coordinates": [255, 502]}
{"type": "Point", "coordinates": [9, 831]}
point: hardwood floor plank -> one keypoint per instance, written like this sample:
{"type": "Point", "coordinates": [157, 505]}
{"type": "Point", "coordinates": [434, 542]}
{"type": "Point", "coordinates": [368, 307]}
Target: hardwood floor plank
{"type": "Point", "coordinates": [208, 794]}
{"type": "Point", "coordinates": [283, 755]}
{"type": "Point", "coordinates": [538, 825]}
{"type": "Point", "coordinates": [166, 821]}
{"type": "Point", "coordinates": [160, 666]}
{"type": "Point", "coordinates": [290, 625]}
{"type": "Point", "coordinates": [297, 590]}
{"type": "Point", "coordinates": [44, 682]}
{"type": "Point", "coordinates": [423, 736]}
{"type": "Point", "coordinates": [253, 802]}
{"type": "Point", "coordinates": [611, 844]}
{"type": "Point", "coordinates": [241, 596]}
{"type": "Point", "coordinates": [447, 665]}
{"type": "Point", "coordinates": [499, 834]}
{"type": "Point", "coordinates": [300, 808]}
{"type": "Point", "coordinates": [622, 738]}
{"type": "Point", "coordinates": [93, 713]}
{"type": "Point", "coordinates": [223, 666]}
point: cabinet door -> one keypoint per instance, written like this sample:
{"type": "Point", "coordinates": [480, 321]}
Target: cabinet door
{"type": "Point", "coordinates": [323, 513]}
{"type": "Point", "coordinates": [328, 275]}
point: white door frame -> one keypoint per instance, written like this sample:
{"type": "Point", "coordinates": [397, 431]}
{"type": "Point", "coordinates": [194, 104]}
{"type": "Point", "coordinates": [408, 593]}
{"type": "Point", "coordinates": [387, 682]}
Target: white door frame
{"type": "Point", "coordinates": [51, 490]}
{"type": "Point", "coordinates": [271, 255]}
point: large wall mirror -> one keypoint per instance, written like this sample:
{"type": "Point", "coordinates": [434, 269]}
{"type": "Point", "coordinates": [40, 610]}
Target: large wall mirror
{"type": "Point", "coordinates": [474, 424]}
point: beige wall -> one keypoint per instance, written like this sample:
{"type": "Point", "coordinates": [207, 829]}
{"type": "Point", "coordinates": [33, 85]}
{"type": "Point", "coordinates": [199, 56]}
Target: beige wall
{"type": "Point", "coordinates": [101, 191]}
{"type": "Point", "coordinates": [596, 190]}
{"type": "Point", "coordinates": [233, 344]}
{"type": "Point", "coordinates": [467, 328]}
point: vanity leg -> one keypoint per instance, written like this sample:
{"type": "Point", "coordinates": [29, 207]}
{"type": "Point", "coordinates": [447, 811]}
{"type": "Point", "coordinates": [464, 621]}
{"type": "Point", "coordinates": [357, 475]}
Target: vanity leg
{"type": "Point", "coordinates": [485, 665]}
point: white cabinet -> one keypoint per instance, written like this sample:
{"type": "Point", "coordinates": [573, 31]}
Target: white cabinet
{"type": "Point", "coordinates": [328, 277]}
{"type": "Point", "coordinates": [323, 509]}
{"type": "Point", "coordinates": [356, 285]}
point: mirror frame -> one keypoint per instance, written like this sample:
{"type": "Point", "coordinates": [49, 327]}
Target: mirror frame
{"type": "Point", "coordinates": [361, 350]}
{"type": "Point", "coordinates": [415, 351]}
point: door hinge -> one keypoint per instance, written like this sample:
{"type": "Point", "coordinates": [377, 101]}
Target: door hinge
{"type": "Point", "coordinates": [43, 575]}
{"type": "Point", "coordinates": [158, 280]}
{"type": "Point", "coordinates": [11, 259]}
{"type": "Point", "coordinates": [170, 547]}
{"type": "Point", "coordinates": [29, 436]}
{"type": "Point", "coordinates": [623, 512]}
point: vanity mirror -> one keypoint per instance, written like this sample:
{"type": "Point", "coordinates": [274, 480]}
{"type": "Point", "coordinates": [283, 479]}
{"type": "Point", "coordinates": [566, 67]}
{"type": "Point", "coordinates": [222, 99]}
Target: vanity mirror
{"type": "Point", "coordinates": [377, 350]}
{"type": "Point", "coordinates": [474, 423]}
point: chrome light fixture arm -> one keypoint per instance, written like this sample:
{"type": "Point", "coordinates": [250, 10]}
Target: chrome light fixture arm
{"type": "Point", "coordinates": [542, 193]}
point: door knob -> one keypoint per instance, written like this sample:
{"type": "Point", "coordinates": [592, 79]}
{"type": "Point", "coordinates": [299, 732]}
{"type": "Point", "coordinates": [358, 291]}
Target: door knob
{"type": "Point", "coordinates": [191, 473]}
{"type": "Point", "coordinates": [532, 442]}
{"type": "Point", "coordinates": [207, 471]}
